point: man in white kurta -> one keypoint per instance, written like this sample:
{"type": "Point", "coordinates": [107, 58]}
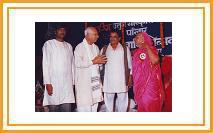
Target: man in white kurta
{"type": "Point", "coordinates": [87, 78]}
{"type": "Point", "coordinates": [114, 76]}
{"type": "Point", "coordinates": [58, 73]}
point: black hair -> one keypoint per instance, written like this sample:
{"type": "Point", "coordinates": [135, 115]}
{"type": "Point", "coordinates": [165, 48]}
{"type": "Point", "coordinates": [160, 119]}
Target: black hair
{"type": "Point", "coordinates": [117, 32]}
{"type": "Point", "coordinates": [58, 26]}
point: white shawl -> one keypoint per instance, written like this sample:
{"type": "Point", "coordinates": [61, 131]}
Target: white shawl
{"type": "Point", "coordinates": [95, 74]}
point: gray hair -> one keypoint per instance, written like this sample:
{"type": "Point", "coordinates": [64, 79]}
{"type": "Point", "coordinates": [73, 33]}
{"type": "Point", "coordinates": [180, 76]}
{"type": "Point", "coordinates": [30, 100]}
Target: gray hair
{"type": "Point", "coordinates": [88, 30]}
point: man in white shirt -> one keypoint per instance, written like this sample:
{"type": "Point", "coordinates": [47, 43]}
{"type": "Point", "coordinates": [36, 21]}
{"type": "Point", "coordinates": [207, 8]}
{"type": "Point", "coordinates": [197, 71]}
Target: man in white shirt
{"type": "Point", "coordinates": [114, 75]}
{"type": "Point", "coordinates": [87, 78]}
{"type": "Point", "coordinates": [58, 73]}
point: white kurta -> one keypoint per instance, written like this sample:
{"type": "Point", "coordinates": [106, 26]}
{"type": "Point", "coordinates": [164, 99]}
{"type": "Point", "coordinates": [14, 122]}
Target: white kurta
{"type": "Point", "coordinates": [83, 75]}
{"type": "Point", "coordinates": [58, 70]}
{"type": "Point", "coordinates": [114, 76]}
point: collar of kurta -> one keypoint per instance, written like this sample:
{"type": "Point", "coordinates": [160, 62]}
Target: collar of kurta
{"type": "Point", "coordinates": [119, 45]}
{"type": "Point", "coordinates": [85, 41]}
{"type": "Point", "coordinates": [59, 41]}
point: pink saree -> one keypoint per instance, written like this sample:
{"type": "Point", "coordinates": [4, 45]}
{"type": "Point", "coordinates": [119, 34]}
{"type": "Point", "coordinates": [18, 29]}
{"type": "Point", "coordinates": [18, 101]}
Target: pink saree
{"type": "Point", "coordinates": [147, 87]}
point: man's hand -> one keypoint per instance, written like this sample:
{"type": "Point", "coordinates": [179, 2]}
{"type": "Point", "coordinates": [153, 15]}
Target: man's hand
{"type": "Point", "coordinates": [99, 59]}
{"type": "Point", "coordinates": [49, 89]}
{"type": "Point", "coordinates": [130, 81]}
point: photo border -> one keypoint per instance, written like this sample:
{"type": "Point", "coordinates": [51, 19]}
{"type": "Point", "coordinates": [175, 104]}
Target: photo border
{"type": "Point", "coordinates": [8, 54]}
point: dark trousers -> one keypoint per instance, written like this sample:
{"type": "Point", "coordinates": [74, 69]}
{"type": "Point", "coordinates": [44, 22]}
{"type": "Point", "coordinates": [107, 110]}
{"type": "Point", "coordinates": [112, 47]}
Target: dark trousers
{"type": "Point", "coordinates": [65, 107]}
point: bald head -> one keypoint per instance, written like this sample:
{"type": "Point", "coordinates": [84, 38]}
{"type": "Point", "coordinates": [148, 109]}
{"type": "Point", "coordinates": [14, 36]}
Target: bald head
{"type": "Point", "coordinates": [91, 34]}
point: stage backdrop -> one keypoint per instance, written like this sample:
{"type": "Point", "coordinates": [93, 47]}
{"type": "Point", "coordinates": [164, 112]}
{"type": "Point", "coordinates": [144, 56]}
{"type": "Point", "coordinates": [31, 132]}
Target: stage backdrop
{"type": "Point", "coordinates": [75, 33]}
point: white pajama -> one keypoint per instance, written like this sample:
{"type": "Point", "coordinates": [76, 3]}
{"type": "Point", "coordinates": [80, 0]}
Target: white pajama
{"type": "Point", "coordinates": [121, 101]}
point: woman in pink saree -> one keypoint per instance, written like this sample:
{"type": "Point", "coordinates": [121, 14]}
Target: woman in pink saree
{"type": "Point", "coordinates": [147, 87]}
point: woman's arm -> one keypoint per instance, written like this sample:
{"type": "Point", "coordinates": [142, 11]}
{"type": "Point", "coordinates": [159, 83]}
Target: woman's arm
{"type": "Point", "coordinates": [154, 58]}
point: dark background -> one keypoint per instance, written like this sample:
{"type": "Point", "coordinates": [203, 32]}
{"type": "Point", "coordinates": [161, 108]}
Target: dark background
{"type": "Point", "coordinates": [75, 34]}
